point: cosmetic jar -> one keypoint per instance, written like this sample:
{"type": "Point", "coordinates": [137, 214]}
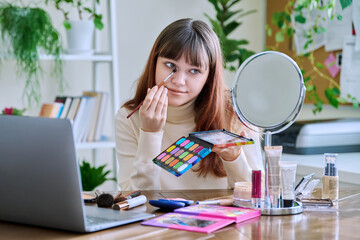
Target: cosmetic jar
{"type": "Point", "coordinates": [242, 194]}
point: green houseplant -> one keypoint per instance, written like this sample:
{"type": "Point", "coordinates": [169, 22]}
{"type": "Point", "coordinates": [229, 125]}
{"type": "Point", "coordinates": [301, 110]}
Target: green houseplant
{"type": "Point", "coordinates": [282, 28]}
{"type": "Point", "coordinates": [25, 33]}
{"type": "Point", "coordinates": [92, 176]}
{"type": "Point", "coordinates": [225, 22]}
{"type": "Point", "coordinates": [65, 7]}
{"type": "Point", "coordinates": [80, 30]}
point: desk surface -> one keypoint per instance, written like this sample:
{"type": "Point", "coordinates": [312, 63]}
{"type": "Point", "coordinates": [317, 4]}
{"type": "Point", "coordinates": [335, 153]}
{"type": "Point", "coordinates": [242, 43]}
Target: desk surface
{"type": "Point", "coordinates": [341, 223]}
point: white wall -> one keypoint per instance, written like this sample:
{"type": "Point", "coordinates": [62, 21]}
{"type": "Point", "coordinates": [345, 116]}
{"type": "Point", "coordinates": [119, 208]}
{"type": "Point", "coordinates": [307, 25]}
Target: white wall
{"type": "Point", "coordinates": [140, 22]}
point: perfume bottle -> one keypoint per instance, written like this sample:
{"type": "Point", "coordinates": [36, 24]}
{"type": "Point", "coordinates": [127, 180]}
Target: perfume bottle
{"type": "Point", "coordinates": [330, 179]}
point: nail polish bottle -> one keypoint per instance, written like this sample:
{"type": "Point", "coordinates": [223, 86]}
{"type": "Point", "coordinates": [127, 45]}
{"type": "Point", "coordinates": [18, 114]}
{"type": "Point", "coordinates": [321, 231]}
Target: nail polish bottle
{"type": "Point", "coordinates": [330, 179]}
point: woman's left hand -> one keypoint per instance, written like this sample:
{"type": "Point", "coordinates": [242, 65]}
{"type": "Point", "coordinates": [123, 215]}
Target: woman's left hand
{"type": "Point", "coordinates": [229, 153]}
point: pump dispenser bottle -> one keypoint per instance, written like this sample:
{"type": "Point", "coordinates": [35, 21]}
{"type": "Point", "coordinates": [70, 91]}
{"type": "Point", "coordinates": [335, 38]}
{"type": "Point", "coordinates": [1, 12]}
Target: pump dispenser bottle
{"type": "Point", "coordinates": [330, 179]}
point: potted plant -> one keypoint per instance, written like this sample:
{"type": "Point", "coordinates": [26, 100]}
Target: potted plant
{"type": "Point", "coordinates": [225, 22]}
{"type": "Point", "coordinates": [92, 176]}
{"type": "Point", "coordinates": [13, 111]}
{"type": "Point", "coordinates": [25, 33]}
{"type": "Point", "coordinates": [79, 31]}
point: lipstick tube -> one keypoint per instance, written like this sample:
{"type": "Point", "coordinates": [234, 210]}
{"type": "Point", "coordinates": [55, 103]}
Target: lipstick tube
{"type": "Point", "coordinates": [256, 189]}
{"type": "Point", "coordinates": [130, 203]}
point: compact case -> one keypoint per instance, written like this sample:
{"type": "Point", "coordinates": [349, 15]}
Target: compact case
{"type": "Point", "coordinates": [187, 151]}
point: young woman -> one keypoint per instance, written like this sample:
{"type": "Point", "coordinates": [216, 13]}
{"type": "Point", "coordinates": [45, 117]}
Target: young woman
{"type": "Point", "coordinates": [192, 99]}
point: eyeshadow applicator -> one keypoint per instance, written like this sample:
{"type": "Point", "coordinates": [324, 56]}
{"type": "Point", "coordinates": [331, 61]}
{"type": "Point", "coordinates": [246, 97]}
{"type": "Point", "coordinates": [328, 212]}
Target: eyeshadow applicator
{"type": "Point", "coordinates": [162, 83]}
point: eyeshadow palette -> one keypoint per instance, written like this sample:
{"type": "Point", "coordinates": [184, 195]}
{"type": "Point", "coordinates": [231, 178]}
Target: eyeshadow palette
{"type": "Point", "coordinates": [187, 151]}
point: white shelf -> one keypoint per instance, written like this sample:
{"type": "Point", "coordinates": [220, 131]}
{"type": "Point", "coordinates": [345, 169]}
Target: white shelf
{"type": "Point", "coordinates": [95, 57]}
{"type": "Point", "coordinates": [95, 145]}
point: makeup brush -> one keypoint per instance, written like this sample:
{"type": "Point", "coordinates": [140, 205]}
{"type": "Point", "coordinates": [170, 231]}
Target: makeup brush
{"type": "Point", "coordinates": [127, 196]}
{"type": "Point", "coordinates": [162, 83]}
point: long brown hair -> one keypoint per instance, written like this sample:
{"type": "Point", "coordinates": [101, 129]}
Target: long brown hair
{"type": "Point", "coordinates": [213, 108]}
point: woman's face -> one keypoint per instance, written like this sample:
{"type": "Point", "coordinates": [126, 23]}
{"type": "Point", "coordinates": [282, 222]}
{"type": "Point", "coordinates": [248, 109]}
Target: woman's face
{"type": "Point", "coordinates": [184, 85]}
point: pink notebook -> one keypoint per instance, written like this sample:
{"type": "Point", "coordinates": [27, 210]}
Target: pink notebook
{"type": "Point", "coordinates": [216, 211]}
{"type": "Point", "coordinates": [203, 218]}
{"type": "Point", "coordinates": [188, 222]}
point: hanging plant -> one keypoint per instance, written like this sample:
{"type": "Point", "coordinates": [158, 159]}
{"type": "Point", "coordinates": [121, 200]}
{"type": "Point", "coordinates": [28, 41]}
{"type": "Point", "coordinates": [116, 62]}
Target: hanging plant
{"type": "Point", "coordinates": [283, 28]}
{"type": "Point", "coordinates": [26, 32]}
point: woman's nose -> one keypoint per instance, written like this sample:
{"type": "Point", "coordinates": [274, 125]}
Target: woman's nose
{"type": "Point", "coordinates": [178, 78]}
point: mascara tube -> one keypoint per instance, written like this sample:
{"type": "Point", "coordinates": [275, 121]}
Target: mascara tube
{"type": "Point", "coordinates": [256, 189]}
{"type": "Point", "coordinates": [130, 203]}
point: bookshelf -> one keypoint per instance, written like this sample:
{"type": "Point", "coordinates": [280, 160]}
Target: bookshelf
{"type": "Point", "coordinates": [109, 57]}
{"type": "Point", "coordinates": [100, 57]}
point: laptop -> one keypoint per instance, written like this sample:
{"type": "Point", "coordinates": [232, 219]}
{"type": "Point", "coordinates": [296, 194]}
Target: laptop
{"type": "Point", "coordinates": [40, 180]}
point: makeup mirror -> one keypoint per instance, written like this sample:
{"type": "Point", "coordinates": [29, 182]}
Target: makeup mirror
{"type": "Point", "coordinates": [267, 94]}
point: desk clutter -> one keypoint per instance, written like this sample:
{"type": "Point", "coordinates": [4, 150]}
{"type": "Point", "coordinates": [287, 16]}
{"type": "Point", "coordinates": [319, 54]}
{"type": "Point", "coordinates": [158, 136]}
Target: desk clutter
{"type": "Point", "coordinates": [182, 214]}
{"type": "Point", "coordinates": [204, 216]}
{"type": "Point", "coordinates": [120, 201]}
{"type": "Point", "coordinates": [87, 113]}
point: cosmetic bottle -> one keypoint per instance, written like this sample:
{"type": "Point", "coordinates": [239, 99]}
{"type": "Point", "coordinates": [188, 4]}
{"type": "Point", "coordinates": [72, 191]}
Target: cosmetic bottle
{"type": "Point", "coordinates": [330, 179]}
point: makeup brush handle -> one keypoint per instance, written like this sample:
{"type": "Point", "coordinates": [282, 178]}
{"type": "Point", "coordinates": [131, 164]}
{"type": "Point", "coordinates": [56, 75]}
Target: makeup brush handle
{"type": "Point", "coordinates": [162, 83]}
{"type": "Point", "coordinates": [137, 108]}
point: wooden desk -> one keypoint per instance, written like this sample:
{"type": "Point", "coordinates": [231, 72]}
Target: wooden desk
{"type": "Point", "coordinates": [342, 223]}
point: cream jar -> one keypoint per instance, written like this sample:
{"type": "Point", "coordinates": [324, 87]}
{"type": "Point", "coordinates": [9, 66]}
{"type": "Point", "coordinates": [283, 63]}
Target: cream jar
{"type": "Point", "coordinates": [242, 194]}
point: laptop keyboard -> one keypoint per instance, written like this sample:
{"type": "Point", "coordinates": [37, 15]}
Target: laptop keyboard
{"type": "Point", "coordinates": [91, 221]}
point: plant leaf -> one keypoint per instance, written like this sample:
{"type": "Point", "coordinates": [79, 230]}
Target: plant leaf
{"type": "Point", "coordinates": [319, 65]}
{"type": "Point", "coordinates": [98, 23]}
{"type": "Point", "coordinates": [345, 3]}
{"type": "Point", "coordinates": [279, 36]}
{"type": "Point", "coordinates": [331, 95]}
{"type": "Point", "coordinates": [230, 27]}
{"type": "Point", "coordinates": [67, 25]}
{"type": "Point", "coordinates": [300, 19]}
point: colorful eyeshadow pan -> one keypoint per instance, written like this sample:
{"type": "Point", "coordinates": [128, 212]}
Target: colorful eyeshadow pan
{"type": "Point", "coordinates": [173, 163]}
{"type": "Point", "coordinates": [169, 160]}
{"type": "Point", "coordinates": [188, 157]}
{"type": "Point", "coordinates": [175, 150]}
{"type": "Point", "coordinates": [180, 156]}
{"type": "Point", "coordinates": [183, 155]}
{"type": "Point", "coordinates": [165, 158]}
{"type": "Point", "coordinates": [171, 148]}
{"type": "Point", "coordinates": [189, 145]}
{"type": "Point", "coordinates": [193, 147]}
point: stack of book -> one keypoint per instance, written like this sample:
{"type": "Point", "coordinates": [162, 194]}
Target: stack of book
{"type": "Point", "coordinates": [87, 113]}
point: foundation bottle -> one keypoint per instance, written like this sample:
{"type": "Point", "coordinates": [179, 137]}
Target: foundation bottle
{"type": "Point", "coordinates": [330, 179]}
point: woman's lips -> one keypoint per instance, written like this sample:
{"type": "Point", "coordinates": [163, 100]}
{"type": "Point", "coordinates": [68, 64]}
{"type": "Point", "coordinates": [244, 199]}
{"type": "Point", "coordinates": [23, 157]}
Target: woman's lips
{"type": "Point", "coordinates": [176, 91]}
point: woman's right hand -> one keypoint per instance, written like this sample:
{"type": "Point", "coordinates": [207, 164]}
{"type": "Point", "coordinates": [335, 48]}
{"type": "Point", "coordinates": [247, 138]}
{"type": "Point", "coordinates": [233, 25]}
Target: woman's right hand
{"type": "Point", "coordinates": [153, 111]}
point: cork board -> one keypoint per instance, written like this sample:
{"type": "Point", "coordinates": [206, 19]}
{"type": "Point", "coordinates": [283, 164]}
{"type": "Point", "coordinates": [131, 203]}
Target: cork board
{"type": "Point", "coordinates": [288, 48]}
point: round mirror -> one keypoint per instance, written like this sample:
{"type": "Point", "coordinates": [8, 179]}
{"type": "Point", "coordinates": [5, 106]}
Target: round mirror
{"type": "Point", "coordinates": [268, 92]}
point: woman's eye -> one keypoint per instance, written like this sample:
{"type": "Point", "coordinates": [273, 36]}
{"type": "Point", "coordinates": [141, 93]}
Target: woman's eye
{"type": "Point", "coordinates": [170, 65]}
{"type": "Point", "coordinates": [194, 71]}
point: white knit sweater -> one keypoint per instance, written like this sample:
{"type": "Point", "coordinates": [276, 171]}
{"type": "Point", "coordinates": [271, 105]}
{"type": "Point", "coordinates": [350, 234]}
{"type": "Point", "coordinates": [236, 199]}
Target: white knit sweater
{"type": "Point", "coordinates": [136, 149]}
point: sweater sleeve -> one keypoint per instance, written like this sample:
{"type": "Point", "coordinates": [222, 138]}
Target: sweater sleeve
{"type": "Point", "coordinates": [240, 169]}
{"type": "Point", "coordinates": [135, 150]}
